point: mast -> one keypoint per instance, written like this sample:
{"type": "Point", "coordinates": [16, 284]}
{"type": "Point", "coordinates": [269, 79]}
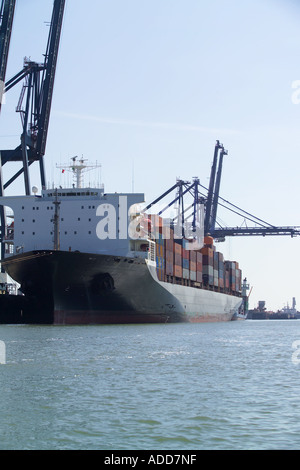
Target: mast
{"type": "Point", "coordinates": [78, 168]}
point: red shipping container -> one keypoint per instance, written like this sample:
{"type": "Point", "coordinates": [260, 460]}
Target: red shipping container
{"type": "Point", "coordinates": [193, 266]}
{"type": "Point", "coordinates": [169, 244]}
{"type": "Point", "coordinates": [193, 256]}
{"type": "Point", "coordinates": [177, 271]}
{"type": "Point", "coordinates": [177, 248]}
{"type": "Point", "coordinates": [207, 251]}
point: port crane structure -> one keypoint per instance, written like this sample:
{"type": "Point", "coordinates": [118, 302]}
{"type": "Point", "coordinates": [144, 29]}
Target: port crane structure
{"type": "Point", "coordinates": [211, 200]}
{"type": "Point", "coordinates": [34, 107]}
{"type": "Point", "coordinates": [35, 100]}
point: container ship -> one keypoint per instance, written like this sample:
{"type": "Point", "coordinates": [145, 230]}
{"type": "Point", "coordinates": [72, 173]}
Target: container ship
{"type": "Point", "coordinates": [76, 261]}
{"type": "Point", "coordinates": [70, 250]}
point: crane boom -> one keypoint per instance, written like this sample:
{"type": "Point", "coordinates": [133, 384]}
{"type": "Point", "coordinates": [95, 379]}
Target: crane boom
{"type": "Point", "coordinates": [6, 16]}
{"type": "Point", "coordinates": [37, 97]}
{"type": "Point", "coordinates": [208, 208]}
{"type": "Point", "coordinates": [217, 191]}
{"type": "Point", "coordinates": [48, 82]}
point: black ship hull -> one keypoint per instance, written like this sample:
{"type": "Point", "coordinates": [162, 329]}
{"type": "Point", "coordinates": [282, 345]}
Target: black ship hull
{"type": "Point", "coordinates": [79, 288]}
{"type": "Point", "coordinates": [63, 288]}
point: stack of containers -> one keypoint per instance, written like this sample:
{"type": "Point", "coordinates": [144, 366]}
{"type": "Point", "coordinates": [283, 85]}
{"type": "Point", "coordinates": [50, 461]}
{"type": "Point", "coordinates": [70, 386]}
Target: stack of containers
{"type": "Point", "coordinates": [169, 254]}
{"type": "Point", "coordinates": [226, 275]}
{"type": "Point", "coordinates": [160, 257]}
{"type": "Point", "coordinates": [193, 265]}
{"type": "Point", "coordinates": [156, 229]}
{"type": "Point", "coordinates": [177, 258]}
{"type": "Point", "coordinates": [230, 266]}
{"type": "Point", "coordinates": [199, 266]}
{"type": "Point", "coordinates": [221, 271]}
{"type": "Point", "coordinates": [216, 269]}
{"type": "Point", "coordinates": [207, 265]}
{"type": "Point", "coordinates": [238, 278]}
{"type": "Point", "coordinates": [233, 276]}
{"type": "Point", "coordinates": [185, 263]}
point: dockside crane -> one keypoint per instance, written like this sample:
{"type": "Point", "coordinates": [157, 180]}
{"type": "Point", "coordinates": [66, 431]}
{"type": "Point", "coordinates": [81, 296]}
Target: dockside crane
{"type": "Point", "coordinates": [217, 191]}
{"type": "Point", "coordinates": [211, 200]}
{"type": "Point", "coordinates": [210, 193]}
{"type": "Point", "coordinates": [35, 104]}
{"type": "Point", "coordinates": [35, 100]}
{"type": "Point", "coordinates": [6, 22]}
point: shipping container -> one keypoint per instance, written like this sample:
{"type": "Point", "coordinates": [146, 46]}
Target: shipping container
{"type": "Point", "coordinates": [185, 263]}
{"type": "Point", "coordinates": [169, 256]}
{"type": "Point", "coordinates": [169, 268]}
{"type": "Point", "coordinates": [160, 267]}
{"type": "Point", "coordinates": [208, 274]}
{"type": "Point", "coordinates": [207, 253]}
{"type": "Point", "coordinates": [216, 260]}
{"type": "Point", "coordinates": [177, 248]}
{"type": "Point", "coordinates": [216, 278]}
{"type": "Point", "coordinates": [169, 244]}
{"type": "Point", "coordinates": [207, 261]}
{"type": "Point", "coordinates": [193, 266]}
{"type": "Point", "coordinates": [185, 273]}
{"type": "Point", "coordinates": [199, 257]}
{"type": "Point", "coordinates": [177, 271]}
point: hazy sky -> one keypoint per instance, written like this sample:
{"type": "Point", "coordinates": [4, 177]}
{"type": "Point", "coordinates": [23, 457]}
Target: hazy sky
{"type": "Point", "coordinates": [146, 88]}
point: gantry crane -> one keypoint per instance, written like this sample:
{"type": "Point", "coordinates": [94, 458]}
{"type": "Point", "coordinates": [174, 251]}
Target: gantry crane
{"type": "Point", "coordinates": [6, 21]}
{"type": "Point", "coordinates": [35, 100]}
{"type": "Point", "coordinates": [211, 200]}
{"type": "Point", "coordinates": [214, 200]}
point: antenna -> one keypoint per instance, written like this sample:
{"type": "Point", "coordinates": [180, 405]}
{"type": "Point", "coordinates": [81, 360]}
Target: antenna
{"type": "Point", "coordinates": [78, 167]}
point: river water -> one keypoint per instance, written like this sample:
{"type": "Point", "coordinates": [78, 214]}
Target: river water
{"type": "Point", "coordinates": [223, 386]}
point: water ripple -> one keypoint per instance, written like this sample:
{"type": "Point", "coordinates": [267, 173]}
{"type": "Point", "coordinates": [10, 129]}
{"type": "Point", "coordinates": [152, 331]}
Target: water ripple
{"type": "Point", "coordinates": [206, 386]}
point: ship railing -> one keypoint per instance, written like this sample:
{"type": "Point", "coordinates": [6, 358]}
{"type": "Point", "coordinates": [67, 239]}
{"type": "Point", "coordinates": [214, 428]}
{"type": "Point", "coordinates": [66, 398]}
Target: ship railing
{"type": "Point", "coordinates": [151, 252]}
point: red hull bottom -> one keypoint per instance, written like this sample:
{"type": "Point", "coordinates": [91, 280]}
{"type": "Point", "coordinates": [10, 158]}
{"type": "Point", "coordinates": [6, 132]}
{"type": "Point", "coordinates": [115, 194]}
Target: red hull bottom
{"type": "Point", "coordinates": [81, 317]}
{"type": "Point", "coordinates": [93, 317]}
